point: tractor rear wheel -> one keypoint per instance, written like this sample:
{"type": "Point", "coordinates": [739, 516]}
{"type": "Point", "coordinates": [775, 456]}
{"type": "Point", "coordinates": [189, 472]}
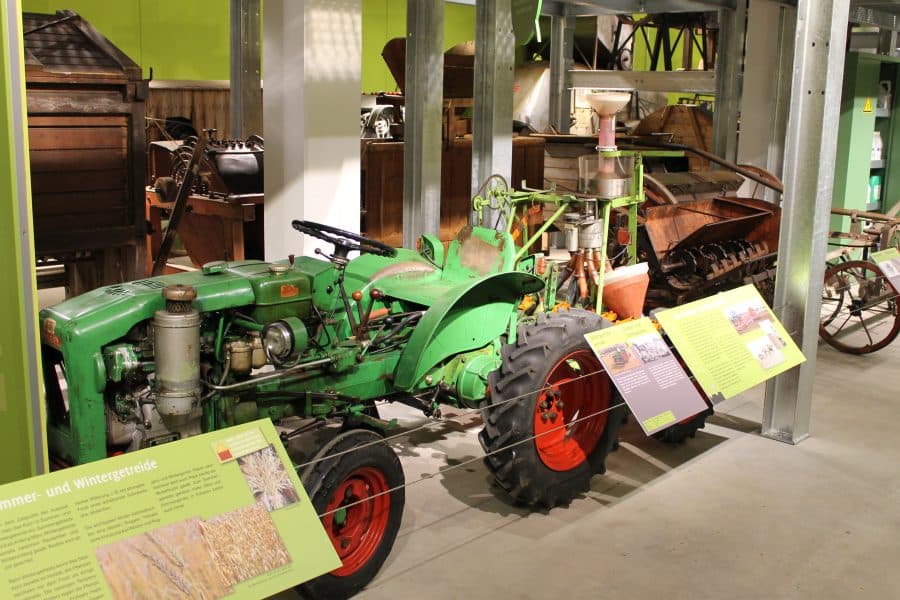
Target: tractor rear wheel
{"type": "Point", "coordinates": [553, 415]}
{"type": "Point", "coordinates": [360, 495]}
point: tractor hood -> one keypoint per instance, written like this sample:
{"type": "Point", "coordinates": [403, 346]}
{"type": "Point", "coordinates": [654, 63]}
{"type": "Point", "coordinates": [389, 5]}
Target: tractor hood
{"type": "Point", "coordinates": [106, 314]}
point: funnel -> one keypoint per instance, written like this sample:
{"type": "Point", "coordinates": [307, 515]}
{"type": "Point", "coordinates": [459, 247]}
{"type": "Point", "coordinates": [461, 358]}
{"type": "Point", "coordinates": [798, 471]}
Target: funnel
{"type": "Point", "coordinates": [607, 104]}
{"type": "Point", "coordinates": [624, 290]}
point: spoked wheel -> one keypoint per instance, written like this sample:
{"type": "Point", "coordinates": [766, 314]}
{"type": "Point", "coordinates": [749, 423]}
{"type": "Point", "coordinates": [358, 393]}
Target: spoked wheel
{"type": "Point", "coordinates": [832, 297]}
{"type": "Point", "coordinates": [553, 414]}
{"type": "Point", "coordinates": [863, 315]}
{"type": "Point", "coordinates": [360, 513]}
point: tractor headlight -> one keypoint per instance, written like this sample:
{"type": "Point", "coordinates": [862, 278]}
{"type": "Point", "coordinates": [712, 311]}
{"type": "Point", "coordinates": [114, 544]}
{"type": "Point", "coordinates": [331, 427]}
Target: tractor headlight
{"type": "Point", "coordinates": [285, 339]}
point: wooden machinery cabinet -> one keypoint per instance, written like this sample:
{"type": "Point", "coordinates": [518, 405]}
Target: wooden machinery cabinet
{"type": "Point", "coordinates": [382, 184]}
{"type": "Point", "coordinates": [87, 149]}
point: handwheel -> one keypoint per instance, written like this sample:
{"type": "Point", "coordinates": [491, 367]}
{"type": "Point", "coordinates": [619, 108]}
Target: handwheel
{"type": "Point", "coordinates": [344, 241]}
{"type": "Point", "coordinates": [357, 488]}
{"type": "Point", "coordinates": [863, 315]}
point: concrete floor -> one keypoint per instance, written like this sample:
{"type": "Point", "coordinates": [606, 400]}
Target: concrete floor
{"type": "Point", "coordinates": [727, 515]}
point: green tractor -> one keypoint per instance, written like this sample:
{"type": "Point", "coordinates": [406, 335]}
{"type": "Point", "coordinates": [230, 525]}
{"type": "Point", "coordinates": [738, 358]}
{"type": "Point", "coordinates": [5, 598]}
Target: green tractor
{"type": "Point", "coordinates": [310, 342]}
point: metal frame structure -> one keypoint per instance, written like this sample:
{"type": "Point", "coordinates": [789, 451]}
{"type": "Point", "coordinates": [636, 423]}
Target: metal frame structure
{"type": "Point", "coordinates": [729, 80]}
{"type": "Point", "coordinates": [493, 108]}
{"type": "Point", "coordinates": [422, 121]}
{"type": "Point", "coordinates": [562, 43]}
{"type": "Point", "coordinates": [818, 66]}
{"type": "Point", "coordinates": [246, 64]}
{"type": "Point", "coordinates": [810, 151]}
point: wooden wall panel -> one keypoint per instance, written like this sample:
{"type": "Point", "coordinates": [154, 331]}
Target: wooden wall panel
{"type": "Point", "coordinates": [206, 108]}
{"type": "Point", "coordinates": [382, 181]}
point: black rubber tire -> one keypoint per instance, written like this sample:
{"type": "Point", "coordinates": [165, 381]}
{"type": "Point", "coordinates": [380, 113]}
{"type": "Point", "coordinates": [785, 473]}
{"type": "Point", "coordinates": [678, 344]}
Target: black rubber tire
{"type": "Point", "coordinates": [680, 432]}
{"type": "Point", "coordinates": [540, 345]}
{"type": "Point", "coordinates": [322, 479]}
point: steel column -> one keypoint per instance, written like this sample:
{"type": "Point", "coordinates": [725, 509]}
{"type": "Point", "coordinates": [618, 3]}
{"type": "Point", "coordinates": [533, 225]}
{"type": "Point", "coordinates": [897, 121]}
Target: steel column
{"type": "Point", "coordinates": [809, 178]}
{"type": "Point", "coordinates": [784, 51]}
{"type": "Point", "coordinates": [562, 42]}
{"type": "Point", "coordinates": [422, 130]}
{"type": "Point", "coordinates": [246, 60]}
{"type": "Point", "coordinates": [493, 109]}
{"type": "Point", "coordinates": [729, 79]}
{"type": "Point", "coordinates": [312, 120]}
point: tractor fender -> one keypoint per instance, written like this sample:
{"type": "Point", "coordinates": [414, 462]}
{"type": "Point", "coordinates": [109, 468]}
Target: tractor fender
{"type": "Point", "coordinates": [468, 317]}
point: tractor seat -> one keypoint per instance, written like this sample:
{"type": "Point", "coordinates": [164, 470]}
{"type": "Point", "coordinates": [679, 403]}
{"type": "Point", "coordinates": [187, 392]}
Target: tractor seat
{"type": "Point", "coordinates": [477, 252]}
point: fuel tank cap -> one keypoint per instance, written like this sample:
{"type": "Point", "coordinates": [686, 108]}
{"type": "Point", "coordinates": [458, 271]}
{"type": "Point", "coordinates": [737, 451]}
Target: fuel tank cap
{"type": "Point", "coordinates": [214, 267]}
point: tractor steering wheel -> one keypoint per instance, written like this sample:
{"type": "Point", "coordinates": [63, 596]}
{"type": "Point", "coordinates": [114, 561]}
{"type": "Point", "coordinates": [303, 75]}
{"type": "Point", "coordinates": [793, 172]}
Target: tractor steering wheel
{"type": "Point", "coordinates": [344, 241]}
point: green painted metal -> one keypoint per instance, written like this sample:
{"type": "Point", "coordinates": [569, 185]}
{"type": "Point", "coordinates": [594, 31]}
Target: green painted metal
{"type": "Point", "coordinates": [541, 230]}
{"type": "Point", "coordinates": [862, 72]}
{"type": "Point", "coordinates": [102, 341]}
{"type": "Point", "coordinates": [469, 316]}
{"type": "Point", "coordinates": [21, 431]}
{"type": "Point", "coordinates": [440, 321]}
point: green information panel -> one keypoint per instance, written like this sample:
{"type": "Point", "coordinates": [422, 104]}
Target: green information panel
{"type": "Point", "coordinates": [220, 515]}
{"type": "Point", "coordinates": [647, 374]}
{"type": "Point", "coordinates": [730, 341]}
{"type": "Point", "coordinates": [889, 263]}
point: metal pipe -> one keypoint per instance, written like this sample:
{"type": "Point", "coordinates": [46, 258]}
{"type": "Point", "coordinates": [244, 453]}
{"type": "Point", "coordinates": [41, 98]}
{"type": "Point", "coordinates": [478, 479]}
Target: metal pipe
{"type": "Point", "coordinates": [262, 378]}
{"type": "Point", "coordinates": [591, 267]}
{"type": "Point", "coordinates": [580, 276]}
{"type": "Point", "coordinates": [710, 157]}
{"type": "Point", "coordinates": [872, 216]}
{"type": "Point", "coordinates": [537, 234]}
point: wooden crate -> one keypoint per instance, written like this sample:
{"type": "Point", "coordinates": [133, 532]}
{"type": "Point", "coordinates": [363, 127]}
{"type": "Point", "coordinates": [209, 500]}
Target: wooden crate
{"type": "Point", "coordinates": [85, 102]}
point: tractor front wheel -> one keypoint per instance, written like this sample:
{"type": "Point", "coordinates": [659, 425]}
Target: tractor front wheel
{"type": "Point", "coordinates": [356, 484]}
{"type": "Point", "coordinates": [553, 415]}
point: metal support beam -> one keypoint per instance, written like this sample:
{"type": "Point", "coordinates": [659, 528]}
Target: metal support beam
{"type": "Point", "coordinates": [784, 52]}
{"type": "Point", "coordinates": [493, 109]}
{"type": "Point", "coordinates": [809, 179]}
{"type": "Point", "coordinates": [562, 42]}
{"type": "Point", "coordinates": [246, 60]}
{"type": "Point", "coordinates": [700, 82]}
{"type": "Point", "coordinates": [729, 79]}
{"type": "Point", "coordinates": [422, 130]}
{"type": "Point", "coordinates": [312, 120]}
{"type": "Point", "coordinates": [587, 8]}
{"type": "Point", "coordinates": [765, 99]}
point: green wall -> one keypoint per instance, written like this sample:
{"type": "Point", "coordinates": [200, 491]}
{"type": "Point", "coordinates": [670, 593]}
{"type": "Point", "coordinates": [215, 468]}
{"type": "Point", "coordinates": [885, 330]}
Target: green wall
{"type": "Point", "coordinates": [17, 446]}
{"type": "Point", "coordinates": [186, 39]}
{"type": "Point", "coordinates": [383, 20]}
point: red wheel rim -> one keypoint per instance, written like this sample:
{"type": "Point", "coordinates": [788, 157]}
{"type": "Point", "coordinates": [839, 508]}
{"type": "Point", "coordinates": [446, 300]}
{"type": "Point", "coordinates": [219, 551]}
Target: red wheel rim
{"type": "Point", "coordinates": [356, 530]}
{"type": "Point", "coordinates": [567, 434]}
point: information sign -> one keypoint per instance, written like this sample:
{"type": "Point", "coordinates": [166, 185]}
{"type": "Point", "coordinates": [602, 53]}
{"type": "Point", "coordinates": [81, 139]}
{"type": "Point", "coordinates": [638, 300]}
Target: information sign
{"type": "Point", "coordinates": [889, 263]}
{"type": "Point", "coordinates": [219, 515]}
{"type": "Point", "coordinates": [730, 341]}
{"type": "Point", "coordinates": [647, 374]}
